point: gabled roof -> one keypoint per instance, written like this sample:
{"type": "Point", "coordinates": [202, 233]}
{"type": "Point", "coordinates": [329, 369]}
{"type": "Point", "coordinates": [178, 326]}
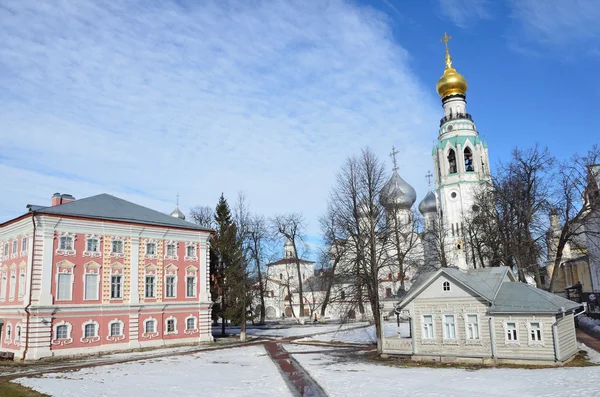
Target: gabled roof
{"type": "Point", "coordinates": [107, 207]}
{"type": "Point", "coordinates": [524, 298]}
{"type": "Point", "coordinates": [287, 261]}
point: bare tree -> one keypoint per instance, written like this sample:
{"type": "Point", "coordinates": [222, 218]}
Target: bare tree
{"type": "Point", "coordinates": [203, 216]}
{"type": "Point", "coordinates": [256, 238]}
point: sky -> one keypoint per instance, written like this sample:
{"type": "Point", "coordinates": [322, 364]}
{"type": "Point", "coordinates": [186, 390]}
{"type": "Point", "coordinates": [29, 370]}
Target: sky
{"type": "Point", "coordinates": [149, 99]}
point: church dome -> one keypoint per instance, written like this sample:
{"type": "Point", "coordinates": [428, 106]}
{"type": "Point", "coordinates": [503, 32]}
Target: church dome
{"type": "Point", "coordinates": [428, 204]}
{"type": "Point", "coordinates": [397, 193]}
{"type": "Point", "coordinates": [177, 213]}
{"type": "Point", "coordinates": [451, 82]}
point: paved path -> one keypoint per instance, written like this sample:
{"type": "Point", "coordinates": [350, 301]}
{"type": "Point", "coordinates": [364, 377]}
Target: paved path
{"type": "Point", "coordinates": [588, 339]}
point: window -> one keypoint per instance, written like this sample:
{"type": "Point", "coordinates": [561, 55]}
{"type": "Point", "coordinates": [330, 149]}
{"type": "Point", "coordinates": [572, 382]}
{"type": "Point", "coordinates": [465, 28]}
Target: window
{"type": "Point", "coordinates": [190, 290]}
{"type": "Point", "coordinates": [15, 246]}
{"type": "Point", "coordinates": [171, 325]}
{"type": "Point", "coordinates": [511, 332]}
{"type": "Point", "coordinates": [535, 332]}
{"type": "Point", "coordinates": [66, 243]}
{"type": "Point", "coordinates": [8, 332]}
{"type": "Point", "coordinates": [472, 326]}
{"type": "Point", "coordinates": [62, 332]}
{"type": "Point", "coordinates": [451, 162]}
{"type": "Point", "coordinates": [343, 295]}
{"type": "Point", "coordinates": [117, 247]}
{"type": "Point", "coordinates": [91, 286]}
{"type": "Point", "coordinates": [18, 333]}
{"type": "Point", "coordinates": [115, 287]}
{"type": "Point", "coordinates": [469, 160]}
{"type": "Point", "coordinates": [449, 327]}
{"type": "Point", "coordinates": [90, 331]}
{"type": "Point", "coordinates": [115, 329]}
{"type": "Point", "coordinates": [427, 326]}
{"type": "Point", "coordinates": [6, 247]}
{"type": "Point", "coordinates": [63, 292]}
{"type": "Point", "coordinates": [24, 244]}
{"type": "Point", "coordinates": [281, 276]}
{"type": "Point", "coordinates": [12, 285]}
{"type": "Point", "coordinates": [190, 323]}
{"type": "Point", "coordinates": [150, 287]}
{"type": "Point", "coordinates": [150, 326]}
{"type": "Point", "coordinates": [150, 249]}
{"type": "Point", "coordinates": [170, 283]}
{"type": "Point", "coordinates": [92, 245]}
{"type": "Point", "coordinates": [388, 292]}
{"type": "Point", "coordinates": [191, 251]}
{"type": "Point", "coordinates": [170, 249]}
{"type": "Point", "coordinates": [446, 286]}
{"type": "Point", "coordinates": [22, 282]}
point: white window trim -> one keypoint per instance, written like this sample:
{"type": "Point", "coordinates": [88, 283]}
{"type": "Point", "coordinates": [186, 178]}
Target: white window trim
{"type": "Point", "coordinates": [12, 283]}
{"type": "Point", "coordinates": [65, 267]}
{"type": "Point", "coordinates": [171, 257]}
{"type": "Point", "coordinates": [93, 254]}
{"type": "Point", "coordinates": [150, 335]}
{"type": "Point", "coordinates": [18, 332]}
{"type": "Point", "coordinates": [3, 283]}
{"type": "Point", "coordinates": [6, 251]}
{"type": "Point", "coordinates": [174, 332]}
{"type": "Point", "coordinates": [146, 286]}
{"type": "Point", "coordinates": [91, 339]}
{"type": "Point", "coordinates": [22, 283]}
{"type": "Point", "coordinates": [446, 338]}
{"type": "Point", "coordinates": [175, 284]}
{"type": "Point", "coordinates": [476, 341]}
{"type": "Point", "coordinates": [14, 249]}
{"type": "Point", "coordinates": [531, 342]}
{"type": "Point", "coordinates": [25, 241]}
{"type": "Point", "coordinates": [194, 330]}
{"type": "Point", "coordinates": [191, 258]}
{"type": "Point", "coordinates": [62, 342]}
{"type": "Point", "coordinates": [8, 333]}
{"type": "Point", "coordinates": [117, 269]}
{"type": "Point", "coordinates": [508, 342]}
{"type": "Point", "coordinates": [424, 339]}
{"type": "Point", "coordinates": [195, 285]}
{"type": "Point", "coordinates": [444, 285]}
{"type": "Point", "coordinates": [115, 338]}
{"type": "Point", "coordinates": [65, 252]}
{"type": "Point", "coordinates": [92, 268]}
{"type": "Point", "coordinates": [114, 254]}
{"type": "Point", "coordinates": [146, 254]}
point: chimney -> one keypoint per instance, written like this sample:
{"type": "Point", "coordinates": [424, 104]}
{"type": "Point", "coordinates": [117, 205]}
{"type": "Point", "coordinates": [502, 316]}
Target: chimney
{"type": "Point", "coordinates": [58, 199]}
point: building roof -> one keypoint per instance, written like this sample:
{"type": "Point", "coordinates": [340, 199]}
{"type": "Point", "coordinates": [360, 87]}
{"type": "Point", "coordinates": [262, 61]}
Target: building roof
{"type": "Point", "coordinates": [287, 261]}
{"type": "Point", "coordinates": [503, 296]}
{"type": "Point", "coordinates": [107, 207]}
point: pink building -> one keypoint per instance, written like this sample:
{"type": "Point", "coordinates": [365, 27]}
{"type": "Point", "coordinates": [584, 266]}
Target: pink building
{"type": "Point", "coordinates": [101, 274]}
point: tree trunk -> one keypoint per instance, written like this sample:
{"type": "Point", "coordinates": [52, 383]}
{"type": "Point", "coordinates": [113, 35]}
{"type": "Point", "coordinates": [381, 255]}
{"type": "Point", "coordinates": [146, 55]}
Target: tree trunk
{"type": "Point", "coordinates": [300, 295]}
{"type": "Point", "coordinates": [243, 325]}
{"type": "Point", "coordinates": [261, 292]}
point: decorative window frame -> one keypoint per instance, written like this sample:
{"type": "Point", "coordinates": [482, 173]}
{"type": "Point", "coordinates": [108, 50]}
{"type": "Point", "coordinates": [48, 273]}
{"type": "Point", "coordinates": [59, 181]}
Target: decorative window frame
{"type": "Point", "coordinates": [191, 331]}
{"type": "Point", "coordinates": [92, 268]}
{"type": "Point", "coordinates": [432, 340]}
{"type": "Point", "coordinates": [91, 339]}
{"type": "Point", "coordinates": [119, 255]}
{"type": "Point", "coordinates": [171, 257]}
{"type": "Point", "coordinates": [65, 252]}
{"type": "Point", "coordinates": [150, 335]}
{"type": "Point", "coordinates": [115, 338]}
{"type": "Point", "coordinates": [175, 331]}
{"type": "Point", "coordinates": [14, 249]}
{"type": "Point", "coordinates": [445, 339]}
{"type": "Point", "coordinates": [8, 333]}
{"type": "Point", "coordinates": [62, 342]}
{"type": "Point", "coordinates": [191, 258]}
{"type": "Point", "coordinates": [5, 250]}
{"type": "Point", "coordinates": [18, 333]}
{"type": "Point", "coordinates": [65, 267]}
{"type": "Point", "coordinates": [171, 271]}
{"type": "Point", "coordinates": [12, 283]}
{"type": "Point", "coordinates": [505, 328]}
{"type": "Point", "coordinates": [24, 249]}
{"type": "Point", "coordinates": [22, 282]}
{"type": "Point", "coordinates": [531, 342]}
{"type": "Point", "coordinates": [3, 282]}
{"type": "Point", "coordinates": [117, 269]}
{"type": "Point", "coordinates": [468, 341]}
{"type": "Point", "coordinates": [446, 284]}
{"type": "Point", "coordinates": [151, 270]}
{"type": "Point", "coordinates": [93, 254]}
{"type": "Point", "coordinates": [191, 271]}
{"type": "Point", "coordinates": [146, 254]}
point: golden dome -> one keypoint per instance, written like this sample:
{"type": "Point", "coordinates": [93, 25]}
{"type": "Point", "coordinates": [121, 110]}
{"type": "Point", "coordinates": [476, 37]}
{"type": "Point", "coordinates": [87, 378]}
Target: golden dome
{"type": "Point", "coordinates": [451, 82]}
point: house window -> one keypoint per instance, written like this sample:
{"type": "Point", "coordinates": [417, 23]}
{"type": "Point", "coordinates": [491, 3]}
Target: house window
{"type": "Point", "coordinates": [18, 333]}
{"type": "Point", "coordinates": [150, 326]}
{"type": "Point", "coordinates": [8, 332]}
{"type": "Point", "coordinates": [170, 284]}
{"type": "Point", "coordinates": [190, 323]}
{"type": "Point", "coordinates": [65, 283]}
{"type": "Point", "coordinates": [62, 332]}
{"type": "Point", "coordinates": [117, 247]}
{"type": "Point", "coordinates": [170, 249]}
{"type": "Point", "coordinates": [15, 246]}
{"type": "Point", "coordinates": [511, 332]}
{"type": "Point", "coordinates": [24, 244]}
{"type": "Point", "coordinates": [150, 287]}
{"type": "Point", "coordinates": [446, 286]}
{"type": "Point", "coordinates": [452, 162]}
{"type": "Point", "coordinates": [115, 287]}
{"type": "Point", "coordinates": [472, 326]}
{"type": "Point", "coordinates": [449, 327]}
{"type": "Point", "coordinates": [191, 251]}
{"type": "Point", "coordinates": [22, 282]}
{"type": "Point", "coordinates": [13, 284]}
{"type": "Point", "coordinates": [535, 332]}
{"type": "Point", "coordinates": [115, 329]}
{"type": "Point", "coordinates": [6, 247]}
{"type": "Point", "coordinates": [190, 290]}
{"type": "Point", "coordinates": [469, 160]}
{"type": "Point", "coordinates": [388, 292]}
{"type": "Point", "coordinates": [90, 331]}
{"type": "Point", "coordinates": [170, 325]}
{"type": "Point", "coordinates": [66, 243]}
{"type": "Point", "coordinates": [281, 276]}
{"type": "Point", "coordinates": [91, 286]}
{"type": "Point", "coordinates": [92, 245]}
{"type": "Point", "coordinates": [428, 326]}
{"type": "Point", "coordinates": [151, 249]}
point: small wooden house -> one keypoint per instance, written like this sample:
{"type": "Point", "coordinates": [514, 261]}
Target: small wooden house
{"type": "Point", "coordinates": [483, 316]}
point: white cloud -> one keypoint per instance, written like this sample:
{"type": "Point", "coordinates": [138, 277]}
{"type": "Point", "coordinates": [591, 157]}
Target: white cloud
{"type": "Point", "coordinates": [146, 100]}
{"type": "Point", "coordinates": [465, 12]}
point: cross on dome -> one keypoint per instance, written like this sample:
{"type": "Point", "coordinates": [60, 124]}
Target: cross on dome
{"type": "Point", "coordinates": [393, 156]}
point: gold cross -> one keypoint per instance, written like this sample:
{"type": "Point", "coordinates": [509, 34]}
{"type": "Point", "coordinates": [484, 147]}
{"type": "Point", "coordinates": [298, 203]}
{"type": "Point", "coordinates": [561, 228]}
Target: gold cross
{"type": "Point", "coordinates": [428, 176]}
{"type": "Point", "coordinates": [446, 39]}
{"type": "Point", "coordinates": [393, 156]}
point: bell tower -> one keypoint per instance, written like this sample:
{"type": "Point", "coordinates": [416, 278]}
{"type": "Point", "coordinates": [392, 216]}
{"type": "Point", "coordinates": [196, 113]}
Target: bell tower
{"type": "Point", "coordinates": [461, 165]}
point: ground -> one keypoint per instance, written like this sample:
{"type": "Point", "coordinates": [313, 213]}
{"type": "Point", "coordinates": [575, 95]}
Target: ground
{"type": "Point", "coordinates": [302, 360]}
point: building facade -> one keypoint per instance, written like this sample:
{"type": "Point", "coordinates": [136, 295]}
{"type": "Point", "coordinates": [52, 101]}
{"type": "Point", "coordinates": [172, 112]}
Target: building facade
{"type": "Point", "coordinates": [101, 274]}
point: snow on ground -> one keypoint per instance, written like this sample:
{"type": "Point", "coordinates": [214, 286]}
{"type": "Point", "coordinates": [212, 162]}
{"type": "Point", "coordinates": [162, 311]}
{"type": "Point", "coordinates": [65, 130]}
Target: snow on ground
{"type": "Point", "coordinates": [300, 348]}
{"type": "Point", "coordinates": [230, 372]}
{"type": "Point", "coordinates": [278, 331]}
{"type": "Point", "coordinates": [593, 355]}
{"type": "Point", "coordinates": [590, 323]}
{"type": "Point", "coordinates": [364, 335]}
{"type": "Point", "coordinates": [344, 378]}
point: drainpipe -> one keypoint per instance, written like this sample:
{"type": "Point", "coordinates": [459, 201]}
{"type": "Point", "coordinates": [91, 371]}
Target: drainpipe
{"type": "Point", "coordinates": [413, 336]}
{"type": "Point", "coordinates": [30, 289]}
{"type": "Point", "coordinates": [555, 339]}
{"type": "Point", "coordinates": [492, 337]}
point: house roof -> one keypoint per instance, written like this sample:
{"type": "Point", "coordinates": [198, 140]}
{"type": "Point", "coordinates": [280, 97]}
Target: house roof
{"type": "Point", "coordinates": [107, 207]}
{"type": "Point", "coordinates": [504, 296]}
{"type": "Point", "coordinates": [287, 261]}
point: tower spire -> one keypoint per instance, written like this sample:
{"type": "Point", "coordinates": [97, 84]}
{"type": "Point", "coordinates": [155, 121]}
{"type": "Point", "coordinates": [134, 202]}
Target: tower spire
{"type": "Point", "coordinates": [445, 40]}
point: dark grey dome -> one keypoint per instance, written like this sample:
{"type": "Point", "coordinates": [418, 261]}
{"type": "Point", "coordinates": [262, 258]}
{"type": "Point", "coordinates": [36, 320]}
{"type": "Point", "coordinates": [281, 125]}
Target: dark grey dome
{"type": "Point", "coordinates": [428, 204]}
{"type": "Point", "coordinates": [397, 193]}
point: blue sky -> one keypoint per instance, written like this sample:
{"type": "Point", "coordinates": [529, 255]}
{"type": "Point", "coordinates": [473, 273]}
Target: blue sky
{"type": "Point", "coordinates": [145, 100]}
